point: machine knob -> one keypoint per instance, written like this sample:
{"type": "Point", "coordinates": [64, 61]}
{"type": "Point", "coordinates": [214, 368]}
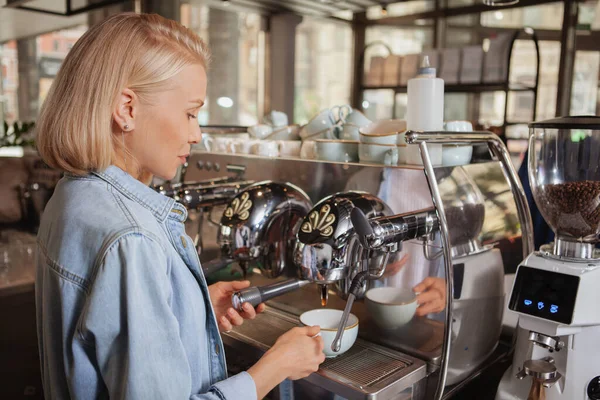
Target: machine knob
{"type": "Point", "coordinates": [593, 389]}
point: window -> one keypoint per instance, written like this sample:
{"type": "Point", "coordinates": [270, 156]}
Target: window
{"type": "Point", "coordinates": [545, 16]}
{"type": "Point", "coordinates": [399, 9]}
{"type": "Point", "coordinates": [235, 42]}
{"type": "Point", "coordinates": [584, 92]}
{"type": "Point", "coordinates": [323, 66]}
{"type": "Point", "coordinates": [49, 57]}
{"type": "Point", "coordinates": [9, 83]}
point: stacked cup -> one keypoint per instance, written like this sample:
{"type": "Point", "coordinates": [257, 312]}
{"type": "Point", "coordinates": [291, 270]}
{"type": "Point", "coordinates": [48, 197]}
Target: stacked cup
{"type": "Point", "coordinates": [381, 142]}
{"type": "Point", "coordinates": [333, 135]}
{"type": "Point", "coordinates": [274, 138]}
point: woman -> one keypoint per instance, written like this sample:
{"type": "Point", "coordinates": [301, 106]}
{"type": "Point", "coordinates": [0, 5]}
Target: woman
{"type": "Point", "coordinates": [123, 309]}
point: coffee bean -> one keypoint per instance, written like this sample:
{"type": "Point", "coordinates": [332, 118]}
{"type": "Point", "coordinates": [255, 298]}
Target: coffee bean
{"type": "Point", "coordinates": [571, 208]}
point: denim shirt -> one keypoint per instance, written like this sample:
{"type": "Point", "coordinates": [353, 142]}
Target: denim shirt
{"type": "Point", "coordinates": [123, 309]}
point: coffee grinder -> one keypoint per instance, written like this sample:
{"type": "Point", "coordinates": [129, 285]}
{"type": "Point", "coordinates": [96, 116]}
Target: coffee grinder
{"type": "Point", "coordinates": [555, 294]}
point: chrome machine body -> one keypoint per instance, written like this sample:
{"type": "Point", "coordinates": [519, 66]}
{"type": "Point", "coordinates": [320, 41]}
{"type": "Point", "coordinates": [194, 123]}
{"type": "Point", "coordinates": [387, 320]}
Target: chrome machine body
{"type": "Point", "coordinates": [555, 293]}
{"type": "Point", "coordinates": [415, 360]}
{"type": "Point", "coordinates": [259, 226]}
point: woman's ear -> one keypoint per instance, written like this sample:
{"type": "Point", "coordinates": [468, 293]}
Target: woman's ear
{"type": "Point", "coordinates": [126, 110]}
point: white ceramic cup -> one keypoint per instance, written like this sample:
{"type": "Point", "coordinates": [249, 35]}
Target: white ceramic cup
{"type": "Point", "coordinates": [241, 146]}
{"type": "Point", "coordinates": [285, 133]}
{"type": "Point", "coordinates": [265, 148]}
{"type": "Point", "coordinates": [205, 142]}
{"type": "Point", "coordinates": [322, 122]}
{"type": "Point", "coordinates": [382, 132]}
{"type": "Point", "coordinates": [391, 307]}
{"type": "Point", "coordinates": [216, 144]}
{"type": "Point", "coordinates": [289, 148]}
{"type": "Point", "coordinates": [276, 119]}
{"type": "Point", "coordinates": [372, 153]}
{"type": "Point", "coordinates": [341, 112]}
{"type": "Point", "coordinates": [357, 118]}
{"type": "Point", "coordinates": [329, 320]}
{"type": "Point", "coordinates": [453, 155]}
{"type": "Point", "coordinates": [336, 150]}
{"type": "Point", "coordinates": [260, 131]}
{"type": "Point", "coordinates": [349, 131]}
{"type": "Point", "coordinates": [308, 150]}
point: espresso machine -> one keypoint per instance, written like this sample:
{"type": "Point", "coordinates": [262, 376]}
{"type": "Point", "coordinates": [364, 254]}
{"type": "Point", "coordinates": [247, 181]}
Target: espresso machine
{"type": "Point", "coordinates": [410, 363]}
{"type": "Point", "coordinates": [555, 292]}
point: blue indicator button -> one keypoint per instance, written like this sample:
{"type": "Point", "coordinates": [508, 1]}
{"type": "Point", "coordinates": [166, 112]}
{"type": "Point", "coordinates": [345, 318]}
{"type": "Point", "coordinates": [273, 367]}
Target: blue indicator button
{"type": "Point", "coordinates": [541, 305]}
{"type": "Point", "coordinates": [553, 309]}
{"type": "Point", "coordinates": [528, 302]}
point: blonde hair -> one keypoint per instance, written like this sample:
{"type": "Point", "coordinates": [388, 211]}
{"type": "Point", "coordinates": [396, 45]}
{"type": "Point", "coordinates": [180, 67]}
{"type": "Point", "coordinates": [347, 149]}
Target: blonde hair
{"type": "Point", "coordinates": [136, 51]}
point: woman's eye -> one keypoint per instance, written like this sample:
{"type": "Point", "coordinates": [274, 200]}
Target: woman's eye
{"type": "Point", "coordinates": [190, 116]}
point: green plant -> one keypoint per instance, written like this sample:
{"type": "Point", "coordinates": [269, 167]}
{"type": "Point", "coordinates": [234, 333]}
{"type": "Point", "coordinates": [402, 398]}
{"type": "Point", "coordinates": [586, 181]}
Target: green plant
{"type": "Point", "coordinates": [17, 134]}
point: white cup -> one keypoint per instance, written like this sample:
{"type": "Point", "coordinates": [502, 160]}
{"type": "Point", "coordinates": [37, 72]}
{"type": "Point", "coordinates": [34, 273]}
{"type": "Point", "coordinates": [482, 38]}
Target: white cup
{"type": "Point", "coordinates": [308, 150]}
{"type": "Point", "coordinates": [320, 124]}
{"type": "Point", "coordinates": [357, 118]}
{"type": "Point", "coordinates": [349, 131]}
{"type": "Point", "coordinates": [453, 155]}
{"type": "Point", "coordinates": [342, 112]}
{"type": "Point", "coordinates": [289, 148]}
{"type": "Point", "coordinates": [330, 133]}
{"type": "Point", "coordinates": [205, 142]}
{"type": "Point", "coordinates": [373, 153]}
{"type": "Point", "coordinates": [276, 119]}
{"type": "Point", "coordinates": [391, 307]}
{"type": "Point", "coordinates": [285, 133]}
{"type": "Point", "coordinates": [265, 148]}
{"type": "Point", "coordinates": [216, 144]}
{"type": "Point", "coordinates": [336, 150]}
{"type": "Point", "coordinates": [329, 320]}
{"type": "Point", "coordinates": [260, 131]}
{"type": "Point", "coordinates": [241, 146]}
{"type": "Point", "coordinates": [383, 132]}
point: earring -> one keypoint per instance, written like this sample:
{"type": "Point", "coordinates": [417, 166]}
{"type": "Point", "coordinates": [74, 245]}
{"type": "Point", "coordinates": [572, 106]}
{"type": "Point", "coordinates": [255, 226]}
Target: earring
{"type": "Point", "coordinates": [126, 127]}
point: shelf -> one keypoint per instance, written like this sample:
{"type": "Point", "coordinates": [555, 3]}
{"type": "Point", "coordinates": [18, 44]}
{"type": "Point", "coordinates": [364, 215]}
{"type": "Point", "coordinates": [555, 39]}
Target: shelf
{"type": "Point", "coordinates": [464, 88]}
{"type": "Point", "coordinates": [513, 123]}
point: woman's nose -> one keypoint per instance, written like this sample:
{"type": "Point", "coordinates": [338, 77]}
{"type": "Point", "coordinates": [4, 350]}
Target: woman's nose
{"type": "Point", "coordinates": [196, 136]}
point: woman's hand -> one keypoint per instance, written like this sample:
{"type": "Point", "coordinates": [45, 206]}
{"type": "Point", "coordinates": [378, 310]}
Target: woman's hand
{"type": "Point", "coordinates": [431, 297]}
{"type": "Point", "coordinates": [295, 355]}
{"type": "Point", "coordinates": [220, 297]}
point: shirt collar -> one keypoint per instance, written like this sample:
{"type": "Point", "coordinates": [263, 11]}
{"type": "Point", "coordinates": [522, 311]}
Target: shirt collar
{"type": "Point", "coordinates": [160, 205]}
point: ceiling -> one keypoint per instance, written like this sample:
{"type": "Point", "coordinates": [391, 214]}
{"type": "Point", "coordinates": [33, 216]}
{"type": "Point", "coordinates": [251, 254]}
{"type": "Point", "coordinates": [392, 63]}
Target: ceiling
{"type": "Point", "coordinates": [18, 24]}
{"type": "Point", "coordinates": [304, 7]}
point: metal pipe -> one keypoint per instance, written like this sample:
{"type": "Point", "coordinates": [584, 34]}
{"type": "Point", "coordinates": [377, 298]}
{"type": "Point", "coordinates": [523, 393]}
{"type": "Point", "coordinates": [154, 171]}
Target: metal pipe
{"type": "Point", "coordinates": [210, 196]}
{"type": "Point", "coordinates": [259, 294]}
{"type": "Point", "coordinates": [378, 232]}
{"type": "Point", "coordinates": [445, 235]}
{"type": "Point", "coordinates": [499, 150]}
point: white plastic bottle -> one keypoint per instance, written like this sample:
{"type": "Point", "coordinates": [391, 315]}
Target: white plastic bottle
{"type": "Point", "coordinates": [425, 110]}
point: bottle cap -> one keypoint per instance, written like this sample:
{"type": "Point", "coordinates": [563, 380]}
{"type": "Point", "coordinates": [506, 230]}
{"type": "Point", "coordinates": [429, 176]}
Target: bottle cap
{"type": "Point", "coordinates": [426, 69]}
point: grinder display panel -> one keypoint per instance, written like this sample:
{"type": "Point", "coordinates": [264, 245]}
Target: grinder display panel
{"type": "Point", "coordinates": [544, 294]}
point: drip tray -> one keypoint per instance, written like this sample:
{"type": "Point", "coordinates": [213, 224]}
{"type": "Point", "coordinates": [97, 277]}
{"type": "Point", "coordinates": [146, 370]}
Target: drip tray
{"type": "Point", "coordinates": [366, 371]}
